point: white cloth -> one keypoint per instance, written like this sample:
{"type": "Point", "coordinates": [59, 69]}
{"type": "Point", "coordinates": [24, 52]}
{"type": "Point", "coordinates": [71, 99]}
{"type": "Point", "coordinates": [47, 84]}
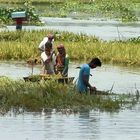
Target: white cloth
{"type": "Point", "coordinates": [42, 43]}
{"type": "Point", "coordinates": [49, 67]}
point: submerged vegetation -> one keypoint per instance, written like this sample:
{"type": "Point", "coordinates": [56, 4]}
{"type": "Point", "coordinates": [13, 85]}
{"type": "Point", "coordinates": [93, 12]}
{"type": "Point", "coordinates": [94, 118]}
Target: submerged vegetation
{"type": "Point", "coordinates": [24, 45]}
{"type": "Point", "coordinates": [49, 95]}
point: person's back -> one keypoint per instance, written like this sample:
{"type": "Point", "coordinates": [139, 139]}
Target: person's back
{"type": "Point", "coordinates": [84, 70]}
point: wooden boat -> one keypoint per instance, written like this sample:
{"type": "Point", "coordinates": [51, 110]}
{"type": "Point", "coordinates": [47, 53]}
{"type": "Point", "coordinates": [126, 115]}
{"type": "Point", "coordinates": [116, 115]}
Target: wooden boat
{"type": "Point", "coordinates": [57, 78]}
{"type": "Point", "coordinates": [34, 61]}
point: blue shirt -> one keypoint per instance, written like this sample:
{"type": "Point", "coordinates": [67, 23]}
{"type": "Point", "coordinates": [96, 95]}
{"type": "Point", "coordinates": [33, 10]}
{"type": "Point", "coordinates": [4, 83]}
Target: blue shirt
{"type": "Point", "coordinates": [85, 70]}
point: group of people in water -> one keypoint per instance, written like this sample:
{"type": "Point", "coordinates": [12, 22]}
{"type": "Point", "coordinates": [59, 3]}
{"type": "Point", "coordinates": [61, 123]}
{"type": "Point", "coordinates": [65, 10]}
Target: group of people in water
{"type": "Point", "coordinates": [58, 63]}
{"type": "Point", "coordinates": [53, 63]}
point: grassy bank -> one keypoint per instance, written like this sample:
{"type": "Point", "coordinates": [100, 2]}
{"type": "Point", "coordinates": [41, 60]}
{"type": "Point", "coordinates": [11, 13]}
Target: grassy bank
{"type": "Point", "coordinates": [49, 95]}
{"type": "Point", "coordinates": [24, 45]}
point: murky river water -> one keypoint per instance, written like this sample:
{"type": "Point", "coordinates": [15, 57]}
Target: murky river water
{"type": "Point", "coordinates": [122, 79]}
{"type": "Point", "coordinates": [93, 125]}
{"type": "Point", "coordinates": [106, 30]}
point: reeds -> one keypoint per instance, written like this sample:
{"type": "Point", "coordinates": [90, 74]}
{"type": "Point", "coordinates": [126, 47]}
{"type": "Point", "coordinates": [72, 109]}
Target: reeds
{"type": "Point", "coordinates": [34, 96]}
{"type": "Point", "coordinates": [24, 45]}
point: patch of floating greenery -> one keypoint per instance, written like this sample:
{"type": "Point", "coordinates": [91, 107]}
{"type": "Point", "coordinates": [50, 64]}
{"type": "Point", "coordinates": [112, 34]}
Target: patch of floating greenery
{"type": "Point", "coordinates": [135, 40]}
{"type": "Point", "coordinates": [120, 9]}
{"type": "Point", "coordinates": [23, 45]}
{"type": "Point", "coordinates": [34, 96]}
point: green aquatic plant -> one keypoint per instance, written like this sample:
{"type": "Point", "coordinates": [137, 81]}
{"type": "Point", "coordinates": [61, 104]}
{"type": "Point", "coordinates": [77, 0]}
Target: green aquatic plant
{"type": "Point", "coordinates": [117, 9]}
{"type": "Point", "coordinates": [135, 40]}
{"type": "Point", "coordinates": [124, 10]}
{"type": "Point", "coordinates": [34, 96]}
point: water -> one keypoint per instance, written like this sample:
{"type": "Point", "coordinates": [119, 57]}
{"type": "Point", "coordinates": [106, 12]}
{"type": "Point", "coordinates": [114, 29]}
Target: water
{"type": "Point", "coordinates": [121, 79]}
{"type": "Point", "coordinates": [104, 29]}
{"type": "Point", "coordinates": [87, 125]}
{"type": "Point", "coordinates": [84, 125]}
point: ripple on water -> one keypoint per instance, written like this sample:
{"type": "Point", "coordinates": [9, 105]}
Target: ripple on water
{"type": "Point", "coordinates": [84, 125]}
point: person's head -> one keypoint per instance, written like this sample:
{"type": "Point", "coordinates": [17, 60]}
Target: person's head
{"type": "Point", "coordinates": [50, 37]}
{"type": "Point", "coordinates": [95, 62]}
{"type": "Point", "coordinates": [61, 49]}
{"type": "Point", "coordinates": [48, 47]}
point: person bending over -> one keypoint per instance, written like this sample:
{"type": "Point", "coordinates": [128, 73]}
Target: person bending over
{"type": "Point", "coordinates": [83, 84]}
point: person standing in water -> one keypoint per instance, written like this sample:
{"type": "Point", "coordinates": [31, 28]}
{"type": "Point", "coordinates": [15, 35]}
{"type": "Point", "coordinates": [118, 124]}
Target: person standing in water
{"type": "Point", "coordinates": [62, 61]}
{"type": "Point", "coordinates": [48, 38]}
{"type": "Point", "coordinates": [48, 59]}
{"type": "Point", "coordinates": [83, 85]}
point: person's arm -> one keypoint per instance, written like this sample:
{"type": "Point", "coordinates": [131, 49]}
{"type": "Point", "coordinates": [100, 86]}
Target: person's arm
{"type": "Point", "coordinates": [86, 74]}
{"type": "Point", "coordinates": [86, 82]}
{"type": "Point", "coordinates": [41, 46]}
{"type": "Point", "coordinates": [45, 58]}
{"type": "Point", "coordinates": [50, 58]}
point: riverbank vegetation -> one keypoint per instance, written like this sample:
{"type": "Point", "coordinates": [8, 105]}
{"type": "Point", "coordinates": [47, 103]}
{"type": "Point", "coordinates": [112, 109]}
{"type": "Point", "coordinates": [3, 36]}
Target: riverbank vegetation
{"type": "Point", "coordinates": [34, 96]}
{"type": "Point", "coordinates": [123, 10]}
{"type": "Point", "coordinates": [23, 45]}
{"type": "Point", "coordinates": [31, 17]}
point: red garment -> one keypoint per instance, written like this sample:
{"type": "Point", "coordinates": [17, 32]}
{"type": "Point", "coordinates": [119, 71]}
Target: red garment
{"type": "Point", "coordinates": [19, 21]}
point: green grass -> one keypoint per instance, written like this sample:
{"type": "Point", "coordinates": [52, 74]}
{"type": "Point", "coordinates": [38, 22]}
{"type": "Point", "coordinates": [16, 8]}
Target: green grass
{"type": "Point", "coordinates": [24, 45]}
{"type": "Point", "coordinates": [49, 95]}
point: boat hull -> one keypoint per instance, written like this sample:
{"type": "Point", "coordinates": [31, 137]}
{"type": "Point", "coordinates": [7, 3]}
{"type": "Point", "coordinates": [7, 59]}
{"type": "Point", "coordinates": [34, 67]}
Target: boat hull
{"type": "Point", "coordinates": [64, 80]}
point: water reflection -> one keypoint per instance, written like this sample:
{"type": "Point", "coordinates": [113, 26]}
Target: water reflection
{"type": "Point", "coordinates": [121, 79]}
{"type": "Point", "coordinates": [89, 123]}
{"type": "Point", "coordinates": [86, 125]}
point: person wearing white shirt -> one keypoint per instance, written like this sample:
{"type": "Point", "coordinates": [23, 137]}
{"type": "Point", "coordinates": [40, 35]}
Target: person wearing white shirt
{"type": "Point", "coordinates": [49, 38]}
{"type": "Point", "coordinates": [49, 59]}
